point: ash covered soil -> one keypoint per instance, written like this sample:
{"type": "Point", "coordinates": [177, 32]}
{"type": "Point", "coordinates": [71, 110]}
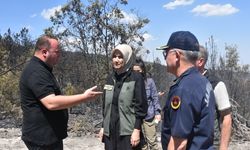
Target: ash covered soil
{"type": "Point", "coordinates": [10, 139]}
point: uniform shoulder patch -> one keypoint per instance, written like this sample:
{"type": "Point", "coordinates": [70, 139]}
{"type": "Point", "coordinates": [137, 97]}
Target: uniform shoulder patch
{"type": "Point", "coordinates": [175, 102]}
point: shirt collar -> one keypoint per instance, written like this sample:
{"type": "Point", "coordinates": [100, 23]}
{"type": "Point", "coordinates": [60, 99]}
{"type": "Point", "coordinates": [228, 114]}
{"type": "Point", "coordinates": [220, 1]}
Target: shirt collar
{"type": "Point", "coordinates": [187, 72]}
{"type": "Point", "coordinates": [34, 58]}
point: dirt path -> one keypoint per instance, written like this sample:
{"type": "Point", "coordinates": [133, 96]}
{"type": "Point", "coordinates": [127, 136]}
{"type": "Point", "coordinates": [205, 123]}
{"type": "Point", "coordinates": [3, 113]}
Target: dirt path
{"type": "Point", "coordinates": [10, 140]}
{"type": "Point", "coordinates": [73, 143]}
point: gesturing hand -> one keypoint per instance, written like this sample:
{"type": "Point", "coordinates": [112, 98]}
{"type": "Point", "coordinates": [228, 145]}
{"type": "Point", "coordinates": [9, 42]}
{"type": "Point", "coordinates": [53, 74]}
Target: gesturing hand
{"type": "Point", "coordinates": [91, 93]}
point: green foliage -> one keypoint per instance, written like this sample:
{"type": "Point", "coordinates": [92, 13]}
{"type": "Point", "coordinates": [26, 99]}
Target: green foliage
{"type": "Point", "coordinates": [15, 49]}
{"type": "Point", "coordinates": [93, 29]}
{"type": "Point", "coordinates": [9, 95]}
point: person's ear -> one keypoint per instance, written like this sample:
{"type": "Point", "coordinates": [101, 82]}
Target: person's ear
{"type": "Point", "coordinates": [177, 54]}
{"type": "Point", "coordinates": [201, 61]}
{"type": "Point", "coordinates": [44, 52]}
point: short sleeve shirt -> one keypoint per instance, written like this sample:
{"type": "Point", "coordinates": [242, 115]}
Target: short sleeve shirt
{"type": "Point", "coordinates": [189, 111]}
{"type": "Point", "coordinates": [220, 91]}
{"type": "Point", "coordinates": [40, 125]}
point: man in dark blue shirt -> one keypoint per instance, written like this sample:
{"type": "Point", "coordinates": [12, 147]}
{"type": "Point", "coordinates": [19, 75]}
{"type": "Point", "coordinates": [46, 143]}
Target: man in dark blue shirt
{"type": "Point", "coordinates": [189, 110]}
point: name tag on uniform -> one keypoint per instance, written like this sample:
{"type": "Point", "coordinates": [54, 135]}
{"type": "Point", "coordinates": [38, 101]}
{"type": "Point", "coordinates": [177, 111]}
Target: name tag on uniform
{"type": "Point", "coordinates": [108, 87]}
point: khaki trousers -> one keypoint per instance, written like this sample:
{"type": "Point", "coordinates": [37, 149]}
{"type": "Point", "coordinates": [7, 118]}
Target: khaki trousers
{"type": "Point", "coordinates": [149, 132]}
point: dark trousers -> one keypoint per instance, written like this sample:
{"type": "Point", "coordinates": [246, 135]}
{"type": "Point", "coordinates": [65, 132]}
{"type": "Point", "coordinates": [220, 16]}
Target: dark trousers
{"type": "Point", "coordinates": [55, 146]}
{"type": "Point", "coordinates": [122, 143]}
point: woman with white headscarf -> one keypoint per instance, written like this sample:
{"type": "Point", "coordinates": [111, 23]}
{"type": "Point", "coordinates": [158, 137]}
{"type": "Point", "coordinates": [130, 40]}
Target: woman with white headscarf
{"type": "Point", "coordinates": [124, 105]}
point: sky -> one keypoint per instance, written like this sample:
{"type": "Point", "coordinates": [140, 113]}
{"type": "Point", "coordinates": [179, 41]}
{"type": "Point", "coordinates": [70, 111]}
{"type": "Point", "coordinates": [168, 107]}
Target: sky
{"type": "Point", "coordinates": [225, 20]}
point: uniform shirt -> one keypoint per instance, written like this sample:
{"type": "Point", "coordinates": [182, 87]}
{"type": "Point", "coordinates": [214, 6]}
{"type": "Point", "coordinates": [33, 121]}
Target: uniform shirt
{"type": "Point", "coordinates": [40, 125]}
{"type": "Point", "coordinates": [189, 111]}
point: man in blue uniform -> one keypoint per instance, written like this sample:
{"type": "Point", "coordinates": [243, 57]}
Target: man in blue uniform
{"type": "Point", "coordinates": [189, 111]}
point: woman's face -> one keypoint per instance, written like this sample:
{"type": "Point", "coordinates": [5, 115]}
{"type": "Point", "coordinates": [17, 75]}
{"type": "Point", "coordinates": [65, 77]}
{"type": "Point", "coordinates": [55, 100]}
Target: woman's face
{"type": "Point", "coordinates": [137, 68]}
{"type": "Point", "coordinates": [117, 60]}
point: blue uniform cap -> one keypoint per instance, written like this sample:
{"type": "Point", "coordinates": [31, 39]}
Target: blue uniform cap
{"type": "Point", "coordinates": [184, 40]}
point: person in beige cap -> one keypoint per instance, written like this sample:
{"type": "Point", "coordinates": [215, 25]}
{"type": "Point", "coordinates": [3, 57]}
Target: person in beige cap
{"type": "Point", "coordinates": [124, 103]}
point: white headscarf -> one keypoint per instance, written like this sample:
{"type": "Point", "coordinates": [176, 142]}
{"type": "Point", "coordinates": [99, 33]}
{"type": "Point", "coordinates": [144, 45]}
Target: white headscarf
{"type": "Point", "coordinates": [128, 56]}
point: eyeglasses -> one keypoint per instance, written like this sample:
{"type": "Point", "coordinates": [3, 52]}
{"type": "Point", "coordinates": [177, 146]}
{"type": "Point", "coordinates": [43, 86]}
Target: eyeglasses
{"type": "Point", "coordinates": [165, 53]}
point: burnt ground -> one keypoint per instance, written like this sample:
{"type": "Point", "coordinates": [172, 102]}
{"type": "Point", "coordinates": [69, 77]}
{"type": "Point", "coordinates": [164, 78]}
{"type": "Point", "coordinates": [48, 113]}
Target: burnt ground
{"type": "Point", "coordinates": [81, 137]}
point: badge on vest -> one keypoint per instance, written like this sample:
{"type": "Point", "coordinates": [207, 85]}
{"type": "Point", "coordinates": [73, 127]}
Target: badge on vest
{"type": "Point", "coordinates": [108, 87]}
{"type": "Point", "coordinates": [175, 102]}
